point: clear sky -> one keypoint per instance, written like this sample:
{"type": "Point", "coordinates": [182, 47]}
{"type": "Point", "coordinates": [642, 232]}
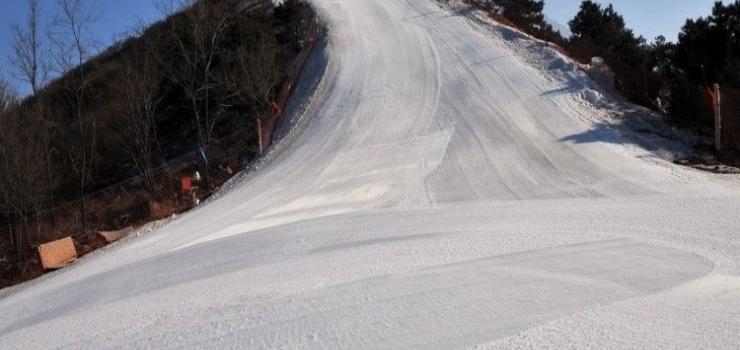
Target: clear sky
{"type": "Point", "coordinates": [114, 17]}
{"type": "Point", "coordinates": [648, 18]}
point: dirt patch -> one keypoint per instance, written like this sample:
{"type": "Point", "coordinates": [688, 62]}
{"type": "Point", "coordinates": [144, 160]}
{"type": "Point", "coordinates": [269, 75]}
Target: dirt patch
{"type": "Point", "coordinates": [717, 164]}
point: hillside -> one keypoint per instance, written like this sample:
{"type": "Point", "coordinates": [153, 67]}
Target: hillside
{"type": "Point", "coordinates": [101, 147]}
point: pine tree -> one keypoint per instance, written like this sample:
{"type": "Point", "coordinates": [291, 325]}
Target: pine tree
{"type": "Point", "coordinates": [708, 49]}
{"type": "Point", "coordinates": [606, 28]}
{"type": "Point", "coordinates": [527, 14]}
{"type": "Point", "coordinates": [661, 53]}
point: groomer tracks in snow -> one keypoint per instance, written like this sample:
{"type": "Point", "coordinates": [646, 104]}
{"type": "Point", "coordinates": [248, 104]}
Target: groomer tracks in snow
{"type": "Point", "coordinates": [447, 192]}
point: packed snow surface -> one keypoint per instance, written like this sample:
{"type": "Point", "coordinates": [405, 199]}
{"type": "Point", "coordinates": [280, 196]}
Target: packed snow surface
{"type": "Point", "coordinates": [457, 185]}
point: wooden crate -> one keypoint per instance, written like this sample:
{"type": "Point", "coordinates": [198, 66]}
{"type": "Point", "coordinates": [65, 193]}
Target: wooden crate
{"type": "Point", "coordinates": [58, 254]}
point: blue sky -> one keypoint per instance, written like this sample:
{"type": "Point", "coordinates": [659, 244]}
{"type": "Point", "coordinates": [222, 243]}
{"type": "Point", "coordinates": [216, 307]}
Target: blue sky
{"type": "Point", "coordinates": [114, 18]}
{"type": "Point", "coordinates": [648, 18]}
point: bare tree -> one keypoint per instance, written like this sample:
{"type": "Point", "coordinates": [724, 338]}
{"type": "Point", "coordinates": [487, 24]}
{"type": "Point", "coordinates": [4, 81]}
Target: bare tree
{"type": "Point", "coordinates": [21, 168]}
{"type": "Point", "coordinates": [28, 59]}
{"type": "Point", "coordinates": [197, 33]}
{"type": "Point", "coordinates": [70, 36]}
{"type": "Point", "coordinates": [71, 47]}
{"type": "Point", "coordinates": [137, 107]}
{"type": "Point", "coordinates": [32, 66]}
{"type": "Point", "coordinates": [8, 97]}
{"type": "Point", "coordinates": [256, 75]}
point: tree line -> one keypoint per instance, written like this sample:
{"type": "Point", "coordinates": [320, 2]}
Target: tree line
{"type": "Point", "coordinates": [652, 74]}
{"type": "Point", "coordinates": [205, 71]}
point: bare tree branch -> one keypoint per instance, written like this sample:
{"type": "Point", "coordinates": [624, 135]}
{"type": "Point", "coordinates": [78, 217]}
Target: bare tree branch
{"type": "Point", "coordinates": [28, 58]}
{"type": "Point", "coordinates": [137, 107]}
{"type": "Point", "coordinates": [72, 44]}
{"type": "Point", "coordinates": [32, 65]}
{"type": "Point", "coordinates": [197, 33]}
{"type": "Point", "coordinates": [22, 186]}
{"type": "Point", "coordinates": [257, 76]}
{"type": "Point", "coordinates": [8, 97]}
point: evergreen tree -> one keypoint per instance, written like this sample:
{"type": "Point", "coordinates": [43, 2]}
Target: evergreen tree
{"type": "Point", "coordinates": [606, 28]}
{"type": "Point", "coordinates": [708, 49]}
{"type": "Point", "coordinates": [527, 14]}
{"type": "Point", "coordinates": [660, 56]}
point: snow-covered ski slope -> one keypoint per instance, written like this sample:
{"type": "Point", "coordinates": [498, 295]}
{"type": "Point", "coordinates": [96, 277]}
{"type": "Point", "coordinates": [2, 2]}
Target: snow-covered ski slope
{"type": "Point", "coordinates": [447, 192]}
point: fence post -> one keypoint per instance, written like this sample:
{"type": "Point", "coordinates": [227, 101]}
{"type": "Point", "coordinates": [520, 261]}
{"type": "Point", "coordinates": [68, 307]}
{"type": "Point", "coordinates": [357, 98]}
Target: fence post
{"type": "Point", "coordinates": [717, 119]}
